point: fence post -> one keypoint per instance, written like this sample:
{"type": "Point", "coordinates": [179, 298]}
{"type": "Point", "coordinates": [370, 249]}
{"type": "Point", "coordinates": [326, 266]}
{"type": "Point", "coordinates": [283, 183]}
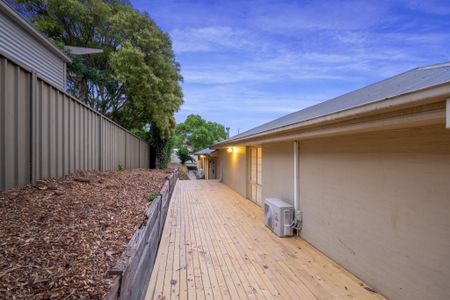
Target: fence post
{"type": "Point", "coordinates": [3, 63]}
{"type": "Point", "coordinates": [126, 156]}
{"type": "Point", "coordinates": [161, 220]}
{"type": "Point", "coordinates": [100, 136]}
{"type": "Point", "coordinates": [32, 128]}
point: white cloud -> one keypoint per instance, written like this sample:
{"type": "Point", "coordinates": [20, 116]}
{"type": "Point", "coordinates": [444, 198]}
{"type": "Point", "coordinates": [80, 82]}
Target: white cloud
{"type": "Point", "coordinates": [223, 74]}
{"type": "Point", "coordinates": [236, 53]}
{"type": "Point", "coordinates": [318, 15]}
{"type": "Point", "coordinates": [207, 39]}
{"type": "Point", "coordinates": [434, 7]}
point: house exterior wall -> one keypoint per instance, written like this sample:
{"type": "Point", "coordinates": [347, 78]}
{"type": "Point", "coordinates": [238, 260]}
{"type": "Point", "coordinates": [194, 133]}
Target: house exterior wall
{"type": "Point", "coordinates": [232, 168]}
{"type": "Point", "coordinates": [212, 167]}
{"type": "Point", "coordinates": [278, 171]}
{"type": "Point", "coordinates": [24, 48]}
{"type": "Point", "coordinates": [378, 204]}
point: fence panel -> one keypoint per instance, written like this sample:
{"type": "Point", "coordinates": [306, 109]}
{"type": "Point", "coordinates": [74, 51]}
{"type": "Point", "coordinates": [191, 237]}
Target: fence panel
{"type": "Point", "coordinates": [44, 132]}
{"type": "Point", "coordinates": [144, 154]}
{"type": "Point", "coordinates": [14, 124]}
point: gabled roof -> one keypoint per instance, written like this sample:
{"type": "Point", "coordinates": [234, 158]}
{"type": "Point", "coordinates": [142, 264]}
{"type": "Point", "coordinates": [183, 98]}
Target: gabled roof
{"type": "Point", "coordinates": [20, 21]}
{"type": "Point", "coordinates": [206, 151]}
{"type": "Point", "coordinates": [404, 83]}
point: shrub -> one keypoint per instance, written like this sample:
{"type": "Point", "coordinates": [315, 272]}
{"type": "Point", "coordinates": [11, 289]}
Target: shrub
{"type": "Point", "coordinates": [183, 155]}
{"type": "Point", "coordinates": [162, 147]}
{"type": "Point", "coordinates": [152, 196]}
{"type": "Point", "coordinates": [183, 173]}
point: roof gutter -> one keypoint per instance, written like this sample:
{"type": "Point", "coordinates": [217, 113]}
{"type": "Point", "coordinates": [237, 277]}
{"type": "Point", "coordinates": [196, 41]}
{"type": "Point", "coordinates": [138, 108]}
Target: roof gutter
{"type": "Point", "coordinates": [423, 96]}
{"type": "Point", "coordinates": [19, 20]}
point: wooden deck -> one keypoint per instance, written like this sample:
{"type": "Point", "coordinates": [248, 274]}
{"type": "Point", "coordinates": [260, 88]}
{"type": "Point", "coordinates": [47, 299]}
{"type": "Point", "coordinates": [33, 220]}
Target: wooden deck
{"type": "Point", "coordinates": [215, 245]}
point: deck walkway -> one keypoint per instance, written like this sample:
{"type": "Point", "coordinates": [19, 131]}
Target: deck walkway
{"type": "Point", "coordinates": [215, 245]}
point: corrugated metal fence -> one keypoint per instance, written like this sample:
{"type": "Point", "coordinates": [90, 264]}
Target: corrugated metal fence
{"type": "Point", "coordinates": [45, 132]}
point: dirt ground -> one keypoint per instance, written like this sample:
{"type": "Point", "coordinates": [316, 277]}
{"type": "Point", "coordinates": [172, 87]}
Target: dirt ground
{"type": "Point", "coordinates": [59, 237]}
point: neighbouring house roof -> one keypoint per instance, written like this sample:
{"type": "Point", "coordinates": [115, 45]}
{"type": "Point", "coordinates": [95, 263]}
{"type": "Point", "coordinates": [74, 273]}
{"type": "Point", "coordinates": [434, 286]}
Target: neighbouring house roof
{"type": "Point", "coordinates": [19, 20]}
{"type": "Point", "coordinates": [404, 83]}
{"type": "Point", "coordinates": [206, 151]}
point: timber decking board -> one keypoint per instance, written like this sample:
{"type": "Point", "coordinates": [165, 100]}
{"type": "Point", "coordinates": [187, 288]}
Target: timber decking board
{"type": "Point", "coordinates": [215, 245]}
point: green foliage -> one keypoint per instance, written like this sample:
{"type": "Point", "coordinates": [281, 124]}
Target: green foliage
{"type": "Point", "coordinates": [120, 167]}
{"type": "Point", "coordinates": [142, 133]}
{"type": "Point", "coordinates": [135, 81]}
{"type": "Point", "coordinates": [152, 196]}
{"type": "Point", "coordinates": [197, 133]}
{"type": "Point", "coordinates": [162, 146]}
{"type": "Point", "coordinates": [163, 153]}
{"type": "Point", "coordinates": [146, 66]}
{"type": "Point", "coordinates": [83, 24]}
{"type": "Point", "coordinates": [183, 155]}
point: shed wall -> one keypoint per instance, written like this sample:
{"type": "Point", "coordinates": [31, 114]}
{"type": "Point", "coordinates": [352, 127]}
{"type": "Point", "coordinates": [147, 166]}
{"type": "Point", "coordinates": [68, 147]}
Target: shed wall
{"type": "Point", "coordinates": [24, 48]}
{"type": "Point", "coordinates": [379, 205]}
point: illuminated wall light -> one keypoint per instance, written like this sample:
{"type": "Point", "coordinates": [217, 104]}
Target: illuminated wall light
{"type": "Point", "coordinates": [229, 150]}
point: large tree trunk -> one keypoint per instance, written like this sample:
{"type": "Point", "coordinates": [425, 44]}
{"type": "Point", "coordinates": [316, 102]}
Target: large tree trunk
{"type": "Point", "coordinates": [83, 91]}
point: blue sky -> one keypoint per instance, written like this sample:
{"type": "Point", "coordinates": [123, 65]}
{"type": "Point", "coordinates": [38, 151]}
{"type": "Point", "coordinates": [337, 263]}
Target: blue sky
{"type": "Point", "coordinates": [247, 62]}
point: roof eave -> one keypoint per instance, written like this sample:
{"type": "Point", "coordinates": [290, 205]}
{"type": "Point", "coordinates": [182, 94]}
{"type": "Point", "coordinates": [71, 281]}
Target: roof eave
{"type": "Point", "coordinates": [440, 91]}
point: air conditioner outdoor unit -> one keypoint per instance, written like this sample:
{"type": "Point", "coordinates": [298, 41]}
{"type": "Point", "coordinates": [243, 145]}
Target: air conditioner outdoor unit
{"type": "Point", "coordinates": [278, 216]}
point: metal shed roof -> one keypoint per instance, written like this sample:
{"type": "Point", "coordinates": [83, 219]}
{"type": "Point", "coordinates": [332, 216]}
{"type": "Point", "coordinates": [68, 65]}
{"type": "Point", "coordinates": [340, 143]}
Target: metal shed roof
{"type": "Point", "coordinates": [206, 151]}
{"type": "Point", "coordinates": [404, 83]}
{"type": "Point", "coordinates": [19, 20]}
{"type": "Point", "coordinates": [82, 50]}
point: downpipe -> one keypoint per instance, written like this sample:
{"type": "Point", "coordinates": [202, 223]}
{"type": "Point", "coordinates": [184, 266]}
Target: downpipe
{"type": "Point", "coordinates": [297, 223]}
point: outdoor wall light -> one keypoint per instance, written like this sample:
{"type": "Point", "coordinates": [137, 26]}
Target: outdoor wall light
{"type": "Point", "coordinates": [230, 150]}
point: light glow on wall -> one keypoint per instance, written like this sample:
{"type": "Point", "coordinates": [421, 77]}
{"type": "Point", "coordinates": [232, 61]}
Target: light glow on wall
{"type": "Point", "coordinates": [229, 150]}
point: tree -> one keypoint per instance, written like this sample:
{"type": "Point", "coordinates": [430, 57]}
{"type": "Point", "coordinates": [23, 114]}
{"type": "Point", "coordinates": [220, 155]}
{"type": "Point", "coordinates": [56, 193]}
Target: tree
{"type": "Point", "coordinates": [162, 147]}
{"type": "Point", "coordinates": [183, 155]}
{"type": "Point", "coordinates": [135, 81]}
{"type": "Point", "coordinates": [146, 66]}
{"type": "Point", "coordinates": [84, 24]}
{"type": "Point", "coordinates": [197, 133]}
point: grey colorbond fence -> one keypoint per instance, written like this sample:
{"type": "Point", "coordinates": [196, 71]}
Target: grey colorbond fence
{"type": "Point", "coordinates": [44, 132]}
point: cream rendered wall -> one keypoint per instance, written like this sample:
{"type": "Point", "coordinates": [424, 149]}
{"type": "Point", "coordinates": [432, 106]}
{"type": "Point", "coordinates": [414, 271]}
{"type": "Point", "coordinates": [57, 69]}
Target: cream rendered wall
{"type": "Point", "coordinates": [379, 204]}
{"type": "Point", "coordinates": [233, 169]}
{"type": "Point", "coordinates": [278, 171]}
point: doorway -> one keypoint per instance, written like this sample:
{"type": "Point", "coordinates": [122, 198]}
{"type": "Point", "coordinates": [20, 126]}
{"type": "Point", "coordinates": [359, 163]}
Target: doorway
{"type": "Point", "coordinates": [255, 178]}
{"type": "Point", "coordinates": [211, 169]}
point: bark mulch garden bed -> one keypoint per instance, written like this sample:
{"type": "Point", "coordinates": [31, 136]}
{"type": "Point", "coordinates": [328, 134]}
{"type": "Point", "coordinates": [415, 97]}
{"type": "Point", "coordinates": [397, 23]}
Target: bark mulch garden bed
{"type": "Point", "coordinates": [60, 236]}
